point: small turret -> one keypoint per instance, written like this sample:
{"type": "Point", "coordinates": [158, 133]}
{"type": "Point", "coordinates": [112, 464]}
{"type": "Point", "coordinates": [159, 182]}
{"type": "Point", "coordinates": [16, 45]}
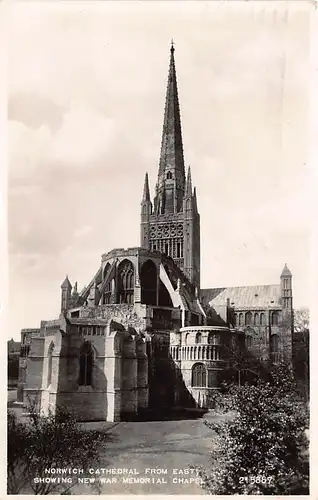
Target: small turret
{"type": "Point", "coordinates": [146, 193]}
{"type": "Point", "coordinates": [66, 294]}
{"type": "Point", "coordinates": [286, 288]}
{"type": "Point", "coordinates": [146, 211]}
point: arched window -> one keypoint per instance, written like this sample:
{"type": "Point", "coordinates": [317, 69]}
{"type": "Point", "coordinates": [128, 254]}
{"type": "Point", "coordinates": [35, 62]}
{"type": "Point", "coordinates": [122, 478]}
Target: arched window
{"type": "Point", "coordinates": [86, 364]}
{"type": "Point", "coordinates": [275, 317]}
{"type": "Point", "coordinates": [262, 319]}
{"type": "Point", "coordinates": [148, 282]}
{"type": "Point", "coordinates": [256, 319]}
{"type": "Point", "coordinates": [198, 338]}
{"type": "Point", "coordinates": [125, 284]}
{"type": "Point", "coordinates": [241, 319]}
{"type": "Point", "coordinates": [213, 339]}
{"type": "Point", "coordinates": [248, 318]}
{"type": "Point", "coordinates": [49, 364]}
{"type": "Point", "coordinates": [236, 319]}
{"type": "Point", "coordinates": [186, 339]}
{"type": "Point", "coordinates": [169, 175]}
{"type": "Point", "coordinates": [198, 375]}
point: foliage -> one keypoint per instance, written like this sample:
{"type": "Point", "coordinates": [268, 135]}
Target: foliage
{"type": "Point", "coordinates": [301, 349]}
{"type": "Point", "coordinates": [301, 320]}
{"type": "Point", "coordinates": [263, 449]}
{"type": "Point", "coordinates": [46, 442]}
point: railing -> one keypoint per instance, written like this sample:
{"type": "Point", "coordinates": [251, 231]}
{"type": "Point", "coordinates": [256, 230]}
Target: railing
{"type": "Point", "coordinates": [195, 353]}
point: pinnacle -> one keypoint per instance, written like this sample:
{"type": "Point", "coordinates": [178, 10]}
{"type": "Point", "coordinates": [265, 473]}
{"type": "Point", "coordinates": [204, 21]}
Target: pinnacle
{"type": "Point", "coordinates": [146, 193]}
{"type": "Point", "coordinates": [189, 183]}
{"type": "Point", "coordinates": [66, 283]}
{"type": "Point", "coordinates": [286, 271]}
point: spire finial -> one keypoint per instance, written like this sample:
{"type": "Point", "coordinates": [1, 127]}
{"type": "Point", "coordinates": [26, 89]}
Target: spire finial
{"type": "Point", "coordinates": [172, 49]}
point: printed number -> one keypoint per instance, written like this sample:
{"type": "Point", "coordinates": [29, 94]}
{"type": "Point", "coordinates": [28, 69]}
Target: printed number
{"type": "Point", "coordinates": [255, 479]}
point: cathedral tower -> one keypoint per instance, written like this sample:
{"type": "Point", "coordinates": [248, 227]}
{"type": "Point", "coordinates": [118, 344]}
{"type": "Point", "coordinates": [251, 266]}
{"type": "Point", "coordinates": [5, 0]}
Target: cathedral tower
{"type": "Point", "coordinates": [171, 224]}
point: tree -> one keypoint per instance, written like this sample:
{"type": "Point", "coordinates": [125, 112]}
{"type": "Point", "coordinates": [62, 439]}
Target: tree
{"type": "Point", "coordinates": [301, 320]}
{"type": "Point", "coordinates": [301, 349]}
{"type": "Point", "coordinates": [49, 442]}
{"type": "Point", "coordinates": [262, 450]}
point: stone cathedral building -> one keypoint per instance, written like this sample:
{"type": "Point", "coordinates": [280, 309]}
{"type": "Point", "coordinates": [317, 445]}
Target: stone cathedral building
{"type": "Point", "coordinates": [142, 335]}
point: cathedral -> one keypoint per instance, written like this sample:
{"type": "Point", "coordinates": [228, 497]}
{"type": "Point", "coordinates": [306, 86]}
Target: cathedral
{"type": "Point", "coordinates": [143, 336]}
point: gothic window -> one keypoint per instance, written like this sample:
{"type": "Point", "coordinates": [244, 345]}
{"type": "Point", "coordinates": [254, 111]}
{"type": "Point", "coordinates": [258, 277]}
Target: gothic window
{"type": "Point", "coordinates": [186, 339]}
{"type": "Point", "coordinates": [213, 339]}
{"type": "Point", "coordinates": [169, 175]}
{"type": "Point", "coordinates": [125, 284]}
{"type": "Point", "coordinates": [262, 319]}
{"type": "Point", "coordinates": [86, 364]}
{"type": "Point", "coordinates": [241, 319]}
{"type": "Point", "coordinates": [148, 281]}
{"type": "Point", "coordinates": [198, 375]}
{"type": "Point", "coordinates": [49, 364]}
{"type": "Point", "coordinates": [198, 338]}
{"type": "Point", "coordinates": [256, 319]}
{"type": "Point", "coordinates": [275, 318]}
{"type": "Point", "coordinates": [248, 318]}
{"type": "Point", "coordinates": [236, 319]}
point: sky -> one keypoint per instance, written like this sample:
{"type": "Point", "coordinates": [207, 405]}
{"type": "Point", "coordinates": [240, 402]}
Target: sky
{"type": "Point", "coordinates": [86, 95]}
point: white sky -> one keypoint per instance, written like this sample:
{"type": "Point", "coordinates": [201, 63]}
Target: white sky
{"type": "Point", "coordinates": [87, 86]}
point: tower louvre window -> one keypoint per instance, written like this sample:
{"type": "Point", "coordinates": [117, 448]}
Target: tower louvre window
{"type": "Point", "coordinates": [169, 175]}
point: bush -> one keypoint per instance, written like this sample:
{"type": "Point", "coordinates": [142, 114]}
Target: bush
{"type": "Point", "coordinates": [263, 449]}
{"type": "Point", "coordinates": [52, 441]}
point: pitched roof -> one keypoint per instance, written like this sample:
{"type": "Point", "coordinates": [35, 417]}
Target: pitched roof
{"type": "Point", "coordinates": [66, 283]}
{"type": "Point", "coordinates": [244, 296]}
{"type": "Point", "coordinates": [286, 271]}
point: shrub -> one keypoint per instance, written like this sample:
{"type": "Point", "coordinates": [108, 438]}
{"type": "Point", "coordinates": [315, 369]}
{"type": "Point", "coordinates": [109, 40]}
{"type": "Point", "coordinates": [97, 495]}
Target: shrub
{"type": "Point", "coordinates": [46, 442]}
{"type": "Point", "coordinates": [262, 450]}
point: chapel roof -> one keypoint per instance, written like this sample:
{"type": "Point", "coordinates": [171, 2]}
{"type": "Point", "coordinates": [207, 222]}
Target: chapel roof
{"type": "Point", "coordinates": [258, 296]}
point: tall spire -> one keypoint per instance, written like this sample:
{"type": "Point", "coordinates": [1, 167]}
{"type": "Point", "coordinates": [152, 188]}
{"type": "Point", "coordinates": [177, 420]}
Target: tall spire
{"type": "Point", "coordinates": [146, 194]}
{"type": "Point", "coordinates": [171, 176]}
